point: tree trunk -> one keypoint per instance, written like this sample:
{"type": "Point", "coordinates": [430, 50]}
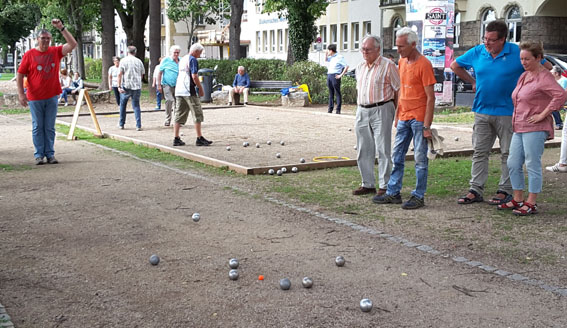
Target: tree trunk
{"type": "Point", "coordinates": [290, 57]}
{"type": "Point", "coordinates": [108, 40]}
{"type": "Point", "coordinates": [76, 19]}
{"type": "Point", "coordinates": [236, 9]}
{"type": "Point", "coordinates": [134, 24]}
{"type": "Point", "coordinates": [155, 41]}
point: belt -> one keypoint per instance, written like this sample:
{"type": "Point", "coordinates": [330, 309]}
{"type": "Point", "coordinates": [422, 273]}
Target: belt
{"type": "Point", "coordinates": [376, 104]}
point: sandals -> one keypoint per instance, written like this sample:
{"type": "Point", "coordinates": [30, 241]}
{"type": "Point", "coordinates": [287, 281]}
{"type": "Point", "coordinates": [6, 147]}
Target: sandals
{"type": "Point", "coordinates": [515, 205]}
{"type": "Point", "coordinates": [465, 200]}
{"type": "Point", "coordinates": [525, 209]}
{"type": "Point", "coordinates": [499, 201]}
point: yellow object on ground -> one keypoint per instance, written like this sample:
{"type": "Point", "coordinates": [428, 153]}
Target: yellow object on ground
{"type": "Point", "coordinates": [323, 158]}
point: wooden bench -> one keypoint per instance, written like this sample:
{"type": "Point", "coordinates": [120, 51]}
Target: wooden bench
{"type": "Point", "coordinates": [278, 85]}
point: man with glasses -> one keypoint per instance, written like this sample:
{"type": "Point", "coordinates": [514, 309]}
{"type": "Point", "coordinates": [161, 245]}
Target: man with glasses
{"type": "Point", "coordinates": [377, 82]}
{"type": "Point", "coordinates": [497, 67]}
{"type": "Point", "coordinates": [166, 80]}
{"type": "Point", "coordinates": [41, 67]}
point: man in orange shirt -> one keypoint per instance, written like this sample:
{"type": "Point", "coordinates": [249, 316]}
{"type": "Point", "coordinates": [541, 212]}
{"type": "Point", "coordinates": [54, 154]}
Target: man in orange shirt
{"type": "Point", "coordinates": [413, 120]}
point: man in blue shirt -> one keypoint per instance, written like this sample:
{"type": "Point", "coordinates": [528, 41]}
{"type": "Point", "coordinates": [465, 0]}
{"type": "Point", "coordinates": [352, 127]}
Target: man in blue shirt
{"type": "Point", "coordinates": [241, 85]}
{"type": "Point", "coordinates": [167, 78]}
{"type": "Point", "coordinates": [497, 67]}
{"type": "Point", "coordinates": [336, 68]}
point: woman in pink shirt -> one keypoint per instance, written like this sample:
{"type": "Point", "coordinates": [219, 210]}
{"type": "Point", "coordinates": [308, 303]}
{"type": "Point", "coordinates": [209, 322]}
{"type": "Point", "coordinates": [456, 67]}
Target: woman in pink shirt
{"type": "Point", "coordinates": [537, 94]}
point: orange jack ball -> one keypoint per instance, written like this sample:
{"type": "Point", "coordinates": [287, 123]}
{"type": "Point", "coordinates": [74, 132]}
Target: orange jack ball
{"type": "Point", "coordinates": [260, 277]}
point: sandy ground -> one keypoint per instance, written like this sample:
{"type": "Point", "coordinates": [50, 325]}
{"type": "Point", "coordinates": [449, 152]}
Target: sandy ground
{"type": "Point", "coordinates": [76, 238]}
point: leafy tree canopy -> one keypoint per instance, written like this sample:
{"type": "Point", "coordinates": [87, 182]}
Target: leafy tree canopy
{"type": "Point", "coordinates": [17, 19]}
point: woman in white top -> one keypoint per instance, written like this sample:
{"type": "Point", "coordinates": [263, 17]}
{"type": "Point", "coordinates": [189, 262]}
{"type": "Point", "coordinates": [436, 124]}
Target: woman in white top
{"type": "Point", "coordinates": [113, 78]}
{"type": "Point", "coordinates": [561, 166]}
{"type": "Point", "coordinates": [76, 85]}
{"type": "Point", "coordinates": [65, 81]}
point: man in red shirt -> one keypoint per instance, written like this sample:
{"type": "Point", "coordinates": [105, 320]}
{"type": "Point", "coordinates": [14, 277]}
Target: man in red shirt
{"type": "Point", "coordinates": [41, 67]}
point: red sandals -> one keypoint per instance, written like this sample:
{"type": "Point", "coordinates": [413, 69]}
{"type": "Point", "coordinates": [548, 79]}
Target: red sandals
{"type": "Point", "coordinates": [515, 205]}
{"type": "Point", "coordinates": [525, 209]}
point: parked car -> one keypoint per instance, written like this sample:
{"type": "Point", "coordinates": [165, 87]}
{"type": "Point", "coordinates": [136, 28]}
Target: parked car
{"type": "Point", "coordinates": [462, 85]}
{"type": "Point", "coordinates": [559, 60]}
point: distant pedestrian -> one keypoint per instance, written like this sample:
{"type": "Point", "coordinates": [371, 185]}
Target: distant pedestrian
{"type": "Point", "coordinates": [336, 69]}
{"type": "Point", "coordinates": [159, 94]}
{"type": "Point", "coordinates": [413, 120]}
{"type": "Point", "coordinates": [40, 66]}
{"type": "Point", "coordinates": [188, 91]}
{"type": "Point", "coordinates": [130, 85]}
{"type": "Point", "coordinates": [113, 72]}
{"type": "Point", "coordinates": [167, 79]}
{"type": "Point", "coordinates": [76, 85]}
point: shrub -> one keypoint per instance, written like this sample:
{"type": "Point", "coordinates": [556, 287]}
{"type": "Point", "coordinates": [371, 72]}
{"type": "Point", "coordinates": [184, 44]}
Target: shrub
{"type": "Point", "coordinates": [93, 68]}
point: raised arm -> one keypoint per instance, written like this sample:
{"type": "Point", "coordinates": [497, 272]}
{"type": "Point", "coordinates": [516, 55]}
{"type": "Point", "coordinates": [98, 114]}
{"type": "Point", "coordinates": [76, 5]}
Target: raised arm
{"type": "Point", "coordinates": [71, 42]}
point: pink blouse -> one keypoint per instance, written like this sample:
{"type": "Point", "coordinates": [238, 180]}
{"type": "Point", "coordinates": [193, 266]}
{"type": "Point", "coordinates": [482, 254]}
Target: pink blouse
{"type": "Point", "coordinates": [533, 95]}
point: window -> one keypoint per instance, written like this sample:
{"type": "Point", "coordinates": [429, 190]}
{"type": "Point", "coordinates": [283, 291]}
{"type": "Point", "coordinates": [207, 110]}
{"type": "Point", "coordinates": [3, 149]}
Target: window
{"type": "Point", "coordinates": [258, 41]}
{"type": "Point", "coordinates": [355, 36]}
{"type": "Point", "coordinates": [487, 16]}
{"type": "Point", "coordinates": [162, 17]}
{"type": "Point", "coordinates": [396, 25]}
{"type": "Point", "coordinates": [280, 41]}
{"type": "Point", "coordinates": [265, 40]}
{"type": "Point", "coordinates": [514, 20]}
{"type": "Point", "coordinates": [200, 20]}
{"type": "Point", "coordinates": [334, 34]}
{"type": "Point", "coordinates": [273, 41]}
{"type": "Point", "coordinates": [259, 6]}
{"type": "Point", "coordinates": [286, 39]}
{"type": "Point", "coordinates": [344, 36]}
{"type": "Point", "coordinates": [367, 28]}
{"type": "Point", "coordinates": [457, 33]}
{"type": "Point", "coordinates": [323, 34]}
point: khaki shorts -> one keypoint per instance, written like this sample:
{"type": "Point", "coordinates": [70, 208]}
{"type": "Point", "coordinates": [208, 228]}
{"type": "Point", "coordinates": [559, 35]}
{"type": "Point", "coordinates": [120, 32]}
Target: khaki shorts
{"type": "Point", "coordinates": [186, 104]}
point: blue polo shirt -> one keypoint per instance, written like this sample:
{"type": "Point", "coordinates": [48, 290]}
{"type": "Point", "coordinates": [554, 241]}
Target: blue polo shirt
{"type": "Point", "coordinates": [241, 80]}
{"type": "Point", "coordinates": [170, 71]}
{"type": "Point", "coordinates": [496, 78]}
{"type": "Point", "coordinates": [336, 64]}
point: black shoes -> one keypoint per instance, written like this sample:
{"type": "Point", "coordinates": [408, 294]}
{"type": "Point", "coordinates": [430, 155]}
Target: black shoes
{"type": "Point", "coordinates": [201, 141]}
{"type": "Point", "coordinates": [52, 160]}
{"type": "Point", "coordinates": [178, 142]}
{"type": "Point", "coordinates": [39, 161]}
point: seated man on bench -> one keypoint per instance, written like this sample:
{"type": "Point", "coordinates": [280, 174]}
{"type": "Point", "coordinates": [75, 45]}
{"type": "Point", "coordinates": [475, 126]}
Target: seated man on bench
{"type": "Point", "coordinates": [240, 85]}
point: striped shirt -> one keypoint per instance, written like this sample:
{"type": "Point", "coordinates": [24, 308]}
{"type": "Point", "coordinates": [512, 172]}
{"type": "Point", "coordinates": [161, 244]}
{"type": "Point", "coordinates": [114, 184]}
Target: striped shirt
{"type": "Point", "coordinates": [132, 70]}
{"type": "Point", "coordinates": [377, 82]}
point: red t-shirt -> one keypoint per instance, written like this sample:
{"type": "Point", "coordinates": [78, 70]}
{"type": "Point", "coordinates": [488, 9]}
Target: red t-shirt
{"type": "Point", "coordinates": [42, 70]}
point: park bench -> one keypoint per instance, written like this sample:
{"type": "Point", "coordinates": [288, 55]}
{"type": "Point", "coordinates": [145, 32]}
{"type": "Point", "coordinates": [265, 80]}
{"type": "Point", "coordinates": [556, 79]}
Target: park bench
{"type": "Point", "coordinates": [271, 85]}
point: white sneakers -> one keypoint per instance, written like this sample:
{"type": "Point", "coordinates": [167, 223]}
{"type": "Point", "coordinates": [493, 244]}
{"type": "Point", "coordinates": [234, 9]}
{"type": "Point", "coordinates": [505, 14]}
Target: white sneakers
{"type": "Point", "coordinates": [557, 168]}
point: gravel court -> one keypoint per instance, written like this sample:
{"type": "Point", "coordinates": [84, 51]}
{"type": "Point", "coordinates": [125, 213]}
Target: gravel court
{"type": "Point", "coordinates": [77, 238]}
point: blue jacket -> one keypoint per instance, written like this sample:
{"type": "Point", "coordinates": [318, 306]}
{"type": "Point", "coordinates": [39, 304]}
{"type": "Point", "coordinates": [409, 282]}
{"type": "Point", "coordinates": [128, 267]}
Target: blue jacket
{"type": "Point", "coordinates": [241, 80]}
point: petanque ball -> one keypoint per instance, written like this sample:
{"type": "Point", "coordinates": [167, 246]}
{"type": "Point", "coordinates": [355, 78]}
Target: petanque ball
{"type": "Point", "coordinates": [245, 144]}
{"type": "Point", "coordinates": [271, 172]}
{"type": "Point", "coordinates": [294, 169]}
{"type": "Point", "coordinates": [196, 217]}
{"type": "Point", "coordinates": [302, 160]}
{"type": "Point", "coordinates": [257, 145]}
{"type": "Point", "coordinates": [285, 284]}
{"type": "Point", "coordinates": [154, 260]}
{"type": "Point", "coordinates": [456, 138]}
{"type": "Point", "coordinates": [282, 143]}
{"type": "Point", "coordinates": [233, 263]}
{"type": "Point", "coordinates": [269, 142]}
{"type": "Point", "coordinates": [228, 148]}
{"type": "Point", "coordinates": [279, 172]}
{"type": "Point", "coordinates": [307, 282]}
{"type": "Point", "coordinates": [355, 147]}
{"type": "Point", "coordinates": [284, 170]}
{"type": "Point", "coordinates": [278, 155]}
{"type": "Point", "coordinates": [233, 274]}
{"type": "Point", "coordinates": [349, 129]}
{"type": "Point", "coordinates": [340, 261]}
{"type": "Point", "coordinates": [366, 305]}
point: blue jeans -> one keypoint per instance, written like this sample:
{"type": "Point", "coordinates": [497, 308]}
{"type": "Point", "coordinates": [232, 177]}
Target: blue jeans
{"type": "Point", "coordinates": [526, 147]}
{"type": "Point", "coordinates": [158, 98]}
{"type": "Point", "coordinates": [406, 131]}
{"type": "Point", "coordinates": [66, 91]}
{"type": "Point", "coordinates": [44, 114]}
{"type": "Point", "coordinates": [135, 94]}
{"type": "Point", "coordinates": [334, 86]}
{"type": "Point", "coordinates": [116, 95]}
{"type": "Point", "coordinates": [557, 118]}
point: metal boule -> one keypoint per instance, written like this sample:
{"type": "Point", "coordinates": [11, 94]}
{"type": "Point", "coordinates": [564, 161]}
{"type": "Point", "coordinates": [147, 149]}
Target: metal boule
{"type": "Point", "coordinates": [233, 263]}
{"type": "Point", "coordinates": [154, 260]}
{"type": "Point", "coordinates": [307, 282]}
{"type": "Point", "coordinates": [284, 170]}
{"type": "Point", "coordinates": [233, 274]}
{"type": "Point", "coordinates": [228, 148]}
{"type": "Point", "coordinates": [285, 284]}
{"type": "Point", "coordinates": [271, 171]}
{"type": "Point", "coordinates": [366, 305]}
{"type": "Point", "coordinates": [278, 155]}
{"type": "Point", "coordinates": [282, 143]}
{"type": "Point", "coordinates": [279, 172]}
{"type": "Point", "coordinates": [302, 160]}
{"type": "Point", "coordinates": [257, 145]}
{"type": "Point", "coordinates": [196, 217]}
{"type": "Point", "coordinates": [294, 169]}
{"type": "Point", "coordinates": [269, 142]}
{"type": "Point", "coordinates": [340, 261]}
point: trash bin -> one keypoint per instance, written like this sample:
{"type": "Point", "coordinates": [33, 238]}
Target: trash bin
{"type": "Point", "coordinates": [206, 78]}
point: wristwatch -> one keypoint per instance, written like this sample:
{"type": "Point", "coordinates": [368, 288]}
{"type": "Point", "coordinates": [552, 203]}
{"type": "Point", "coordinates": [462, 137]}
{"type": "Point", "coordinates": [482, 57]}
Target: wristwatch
{"type": "Point", "coordinates": [62, 29]}
{"type": "Point", "coordinates": [425, 128]}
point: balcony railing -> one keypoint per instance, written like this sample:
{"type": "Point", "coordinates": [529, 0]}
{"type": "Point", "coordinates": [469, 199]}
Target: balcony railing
{"type": "Point", "coordinates": [392, 3]}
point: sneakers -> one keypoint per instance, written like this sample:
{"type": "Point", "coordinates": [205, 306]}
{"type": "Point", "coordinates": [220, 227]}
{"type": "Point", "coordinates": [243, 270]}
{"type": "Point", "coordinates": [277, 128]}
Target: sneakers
{"type": "Point", "coordinates": [559, 127]}
{"type": "Point", "coordinates": [201, 141]}
{"type": "Point", "coordinates": [363, 191]}
{"type": "Point", "coordinates": [245, 103]}
{"type": "Point", "coordinates": [556, 168]}
{"type": "Point", "coordinates": [230, 103]}
{"type": "Point", "coordinates": [166, 124]}
{"type": "Point", "coordinates": [52, 160]}
{"type": "Point", "coordinates": [413, 203]}
{"type": "Point", "coordinates": [39, 161]}
{"type": "Point", "coordinates": [387, 199]}
{"type": "Point", "coordinates": [178, 142]}
{"type": "Point", "coordinates": [121, 127]}
{"type": "Point", "coordinates": [66, 104]}
{"type": "Point", "coordinates": [139, 129]}
{"type": "Point", "coordinates": [157, 108]}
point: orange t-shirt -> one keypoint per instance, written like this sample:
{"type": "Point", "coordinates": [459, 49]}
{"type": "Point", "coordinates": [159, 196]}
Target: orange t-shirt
{"type": "Point", "coordinates": [414, 78]}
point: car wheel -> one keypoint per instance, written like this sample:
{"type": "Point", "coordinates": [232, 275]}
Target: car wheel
{"type": "Point", "coordinates": [460, 86]}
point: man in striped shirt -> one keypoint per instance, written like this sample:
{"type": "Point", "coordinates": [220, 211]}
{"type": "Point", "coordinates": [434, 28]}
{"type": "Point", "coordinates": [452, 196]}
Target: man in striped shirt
{"type": "Point", "coordinates": [377, 82]}
{"type": "Point", "coordinates": [130, 86]}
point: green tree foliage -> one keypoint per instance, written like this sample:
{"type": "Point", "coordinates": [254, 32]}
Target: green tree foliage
{"type": "Point", "coordinates": [301, 16]}
{"type": "Point", "coordinates": [17, 19]}
{"type": "Point", "coordinates": [189, 11]}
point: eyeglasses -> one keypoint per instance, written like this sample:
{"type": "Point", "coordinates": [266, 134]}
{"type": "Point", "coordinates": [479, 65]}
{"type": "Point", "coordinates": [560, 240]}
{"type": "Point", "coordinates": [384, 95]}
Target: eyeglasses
{"type": "Point", "coordinates": [487, 40]}
{"type": "Point", "coordinates": [368, 49]}
{"type": "Point", "coordinates": [45, 38]}
{"type": "Point", "coordinates": [176, 52]}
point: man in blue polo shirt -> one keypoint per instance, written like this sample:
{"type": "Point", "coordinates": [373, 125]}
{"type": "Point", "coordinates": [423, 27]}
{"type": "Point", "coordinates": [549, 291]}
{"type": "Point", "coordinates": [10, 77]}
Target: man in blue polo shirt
{"type": "Point", "coordinates": [167, 78]}
{"type": "Point", "coordinates": [336, 68]}
{"type": "Point", "coordinates": [497, 67]}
